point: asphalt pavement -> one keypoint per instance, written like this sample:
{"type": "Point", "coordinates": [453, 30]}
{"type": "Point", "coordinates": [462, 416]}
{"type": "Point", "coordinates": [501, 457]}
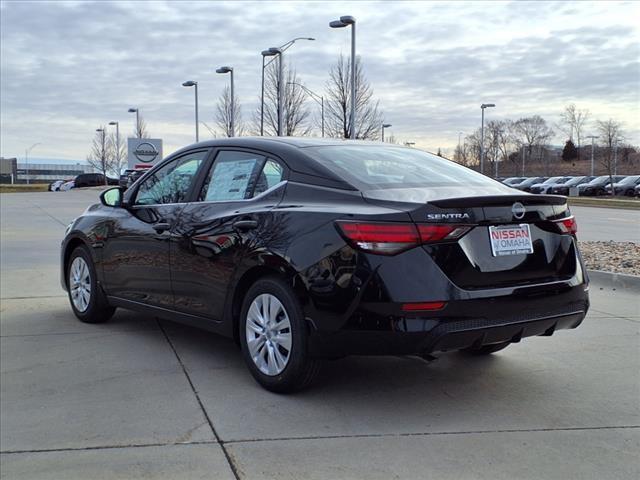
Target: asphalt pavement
{"type": "Point", "coordinates": [138, 397]}
{"type": "Point", "coordinates": [602, 224]}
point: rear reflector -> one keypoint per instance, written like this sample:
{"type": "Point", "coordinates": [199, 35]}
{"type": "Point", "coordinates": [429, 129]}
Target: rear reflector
{"type": "Point", "coordinates": [423, 306]}
{"type": "Point", "coordinates": [391, 238]}
{"type": "Point", "coordinates": [567, 225]}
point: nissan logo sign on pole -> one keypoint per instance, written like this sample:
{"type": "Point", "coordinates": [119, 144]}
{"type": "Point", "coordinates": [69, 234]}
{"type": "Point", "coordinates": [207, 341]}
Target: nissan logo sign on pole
{"type": "Point", "coordinates": [144, 152]}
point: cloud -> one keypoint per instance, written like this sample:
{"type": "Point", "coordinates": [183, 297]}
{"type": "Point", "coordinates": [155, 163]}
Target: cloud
{"type": "Point", "coordinates": [68, 67]}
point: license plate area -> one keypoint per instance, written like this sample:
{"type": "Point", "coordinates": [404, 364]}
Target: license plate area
{"type": "Point", "coordinates": [510, 240]}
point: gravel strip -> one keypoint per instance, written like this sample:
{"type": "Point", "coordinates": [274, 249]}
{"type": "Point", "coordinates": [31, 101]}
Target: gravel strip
{"type": "Point", "coordinates": [618, 257]}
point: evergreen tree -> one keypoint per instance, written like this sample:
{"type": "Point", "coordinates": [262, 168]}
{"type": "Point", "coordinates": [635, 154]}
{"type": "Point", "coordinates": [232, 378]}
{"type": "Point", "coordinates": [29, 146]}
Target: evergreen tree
{"type": "Point", "coordinates": [569, 152]}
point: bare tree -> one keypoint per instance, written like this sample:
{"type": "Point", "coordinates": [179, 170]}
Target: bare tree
{"type": "Point", "coordinates": [294, 109]}
{"type": "Point", "coordinates": [118, 152]}
{"type": "Point", "coordinates": [471, 150]}
{"type": "Point", "coordinates": [338, 103]}
{"type": "Point", "coordinates": [140, 130]}
{"type": "Point", "coordinates": [611, 135]}
{"type": "Point", "coordinates": [225, 112]}
{"type": "Point", "coordinates": [532, 132]}
{"type": "Point", "coordinates": [572, 122]}
{"type": "Point", "coordinates": [100, 157]}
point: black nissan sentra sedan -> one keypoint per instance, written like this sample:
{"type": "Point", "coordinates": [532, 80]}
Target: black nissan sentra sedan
{"type": "Point", "coordinates": [303, 249]}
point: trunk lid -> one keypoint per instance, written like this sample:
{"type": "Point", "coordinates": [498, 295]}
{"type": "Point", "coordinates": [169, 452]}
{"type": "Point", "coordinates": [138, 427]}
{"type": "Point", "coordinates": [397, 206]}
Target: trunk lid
{"type": "Point", "coordinates": [469, 262]}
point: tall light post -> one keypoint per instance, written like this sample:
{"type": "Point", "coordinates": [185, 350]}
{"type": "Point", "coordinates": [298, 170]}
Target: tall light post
{"type": "Point", "coordinates": [135, 110]}
{"type": "Point", "coordinates": [270, 53]}
{"type": "Point", "coordinates": [117, 124]}
{"type": "Point", "coordinates": [265, 53]}
{"type": "Point", "coordinates": [385, 125]}
{"type": "Point", "coordinates": [232, 121]}
{"type": "Point", "coordinates": [191, 83]}
{"type": "Point", "coordinates": [343, 22]}
{"type": "Point", "coordinates": [103, 154]}
{"type": "Point", "coordinates": [318, 98]}
{"type": "Point", "coordinates": [280, 52]}
{"type": "Point", "coordinates": [592, 137]}
{"type": "Point", "coordinates": [482, 107]}
{"type": "Point", "coordinates": [26, 158]}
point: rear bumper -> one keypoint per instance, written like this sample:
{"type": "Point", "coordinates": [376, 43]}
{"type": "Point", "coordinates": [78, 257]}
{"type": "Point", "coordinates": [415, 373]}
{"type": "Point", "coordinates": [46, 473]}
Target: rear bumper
{"type": "Point", "coordinates": [444, 336]}
{"type": "Point", "coordinates": [384, 329]}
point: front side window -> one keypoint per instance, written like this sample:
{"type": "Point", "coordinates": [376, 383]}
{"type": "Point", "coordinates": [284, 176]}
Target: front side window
{"type": "Point", "coordinates": [171, 183]}
{"type": "Point", "coordinates": [232, 177]}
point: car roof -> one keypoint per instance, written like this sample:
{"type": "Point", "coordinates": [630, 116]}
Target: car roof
{"type": "Point", "coordinates": [291, 150]}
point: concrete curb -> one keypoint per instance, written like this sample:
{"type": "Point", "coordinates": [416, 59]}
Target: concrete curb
{"type": "Point", "coordinates": [615, 280]}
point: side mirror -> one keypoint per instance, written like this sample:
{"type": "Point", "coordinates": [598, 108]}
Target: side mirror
{"type": "Point", "coordinates": [112, 197]}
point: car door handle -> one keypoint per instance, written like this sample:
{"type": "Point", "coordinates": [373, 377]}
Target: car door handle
{"type": "Point", "coordinates": [245, 224]}
{"type": "Point", "coordinates": [161, 227]}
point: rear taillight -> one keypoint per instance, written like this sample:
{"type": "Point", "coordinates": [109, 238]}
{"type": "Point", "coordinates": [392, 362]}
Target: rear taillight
{"type": "Point", "coordinates": [391, 238]}
{"type": "Point", "coordinates": [567, 225]}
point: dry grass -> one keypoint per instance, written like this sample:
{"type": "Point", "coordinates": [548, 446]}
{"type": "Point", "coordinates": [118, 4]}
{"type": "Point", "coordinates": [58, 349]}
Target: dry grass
{"type": "Point", "coordinates": [21, 188]}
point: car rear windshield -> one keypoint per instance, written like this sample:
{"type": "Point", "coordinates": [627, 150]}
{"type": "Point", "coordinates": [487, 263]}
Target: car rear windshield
{"type": "Point", "coordinates": [377, 167]}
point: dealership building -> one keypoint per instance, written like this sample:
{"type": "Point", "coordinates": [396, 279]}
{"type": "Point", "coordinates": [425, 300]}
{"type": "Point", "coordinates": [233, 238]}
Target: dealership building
{"type": "Point", "coordinates": [13, 172]}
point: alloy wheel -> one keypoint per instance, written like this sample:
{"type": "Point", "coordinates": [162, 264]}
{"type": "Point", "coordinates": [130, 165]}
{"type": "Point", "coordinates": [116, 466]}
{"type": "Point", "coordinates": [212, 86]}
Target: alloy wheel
{"type": "Point", "coordinates": [268, 333]}
{"type": "Point", "coordinates": [80, 284]}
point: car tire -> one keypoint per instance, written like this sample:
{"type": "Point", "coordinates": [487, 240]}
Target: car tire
{"type": "Point", "coordinates": [85, 295]}
{"type": "Point", "coordinates": [486, 349]}
{"type": "Point", "coordinates": [272, 319]}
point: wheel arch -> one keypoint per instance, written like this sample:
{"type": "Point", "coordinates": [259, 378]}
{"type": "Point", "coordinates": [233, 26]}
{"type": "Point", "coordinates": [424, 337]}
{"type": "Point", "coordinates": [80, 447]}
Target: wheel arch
{"type": "Point", "coordinates": [275, 267]}
{"type": "Point", "coordinates": [70, 245]}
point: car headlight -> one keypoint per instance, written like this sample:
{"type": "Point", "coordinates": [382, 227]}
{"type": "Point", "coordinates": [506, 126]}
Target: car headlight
{"type": "Point", "coordinates": [68, 229]}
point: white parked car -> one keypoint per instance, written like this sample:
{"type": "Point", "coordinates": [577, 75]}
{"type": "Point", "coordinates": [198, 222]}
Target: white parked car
{"type": "Point", "coordinates": [55, 186]}
{"type": "Point", "coordinates": [67, 186]}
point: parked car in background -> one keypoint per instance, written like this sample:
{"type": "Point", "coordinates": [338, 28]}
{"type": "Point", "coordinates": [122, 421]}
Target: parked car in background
{"type": "Point", "coordinates": [513, 180]}
{"type": "Point", "coordinates": [130, 176]}
{"type": "Point", "coordinates": [55, 186]}
{"type": "Point", "coordinates": [66, 186]}
{"type": "Point", "coordinates": [547, 184]}
{"type": "Point", "coordinates": [563, 188]}
{"type": "Point", "coordinates": [526, 184]}
{"type": "Point", "coordinates": [636, 191]}
{"type": "Point", "coordinates": [597, 186]}
{"type": "Point", "coordinates": [302, 249]}
{"type": "Point", "coordinates": [625, 187]}
{"type": "Point", "coordinates": [93, 180]}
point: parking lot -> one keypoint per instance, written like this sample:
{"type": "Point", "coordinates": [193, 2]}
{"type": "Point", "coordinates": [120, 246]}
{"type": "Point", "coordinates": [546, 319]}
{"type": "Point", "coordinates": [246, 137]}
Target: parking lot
{"type": "Point", "coordinates": [139, 397]}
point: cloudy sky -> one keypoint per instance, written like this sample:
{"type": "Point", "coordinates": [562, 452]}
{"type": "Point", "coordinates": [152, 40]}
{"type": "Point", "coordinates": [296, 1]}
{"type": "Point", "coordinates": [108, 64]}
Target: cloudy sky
{"type": "Point", "coordinates": [68, 66]}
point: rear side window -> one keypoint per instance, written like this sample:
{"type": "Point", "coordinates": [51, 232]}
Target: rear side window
{"type": "Point", "coordinates": [270, 176]}
{"type": "Point", "coordinates": [232, 177]}
{"type": "Point", "coordinates": [377, 167]}
{"type": "Point", "coordinates": [240, 176]}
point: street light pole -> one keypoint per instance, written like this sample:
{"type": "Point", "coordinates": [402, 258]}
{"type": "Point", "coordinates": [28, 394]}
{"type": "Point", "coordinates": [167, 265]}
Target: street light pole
{"type": "Point", "coordinates": [280, 52]}
{"type": "Point", "coordinates": [264, 54]}
{"type": "Point", "coordinates": [117, 124]}
{"type": "Point", "coordinates": [482, 107]}
{"type": "Point", "coordinates": [191, 83]}
{"type": "Point", "coordinates": [315, 97]}
{"type": "Point", "coordinates": [270, 53]}
{"type": "Point", "coordinates": [132, 110]}
{"type": "Point", "coordinates": [26, 158]}
{"type": "Point", "coordinates": [592, 137]}
{"type": "Point", "coordinates": [232, 130]}
{"type": "Point", "coordinates": [385, 125]}
{"type": "Point", "coordinates": [343, 22]}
